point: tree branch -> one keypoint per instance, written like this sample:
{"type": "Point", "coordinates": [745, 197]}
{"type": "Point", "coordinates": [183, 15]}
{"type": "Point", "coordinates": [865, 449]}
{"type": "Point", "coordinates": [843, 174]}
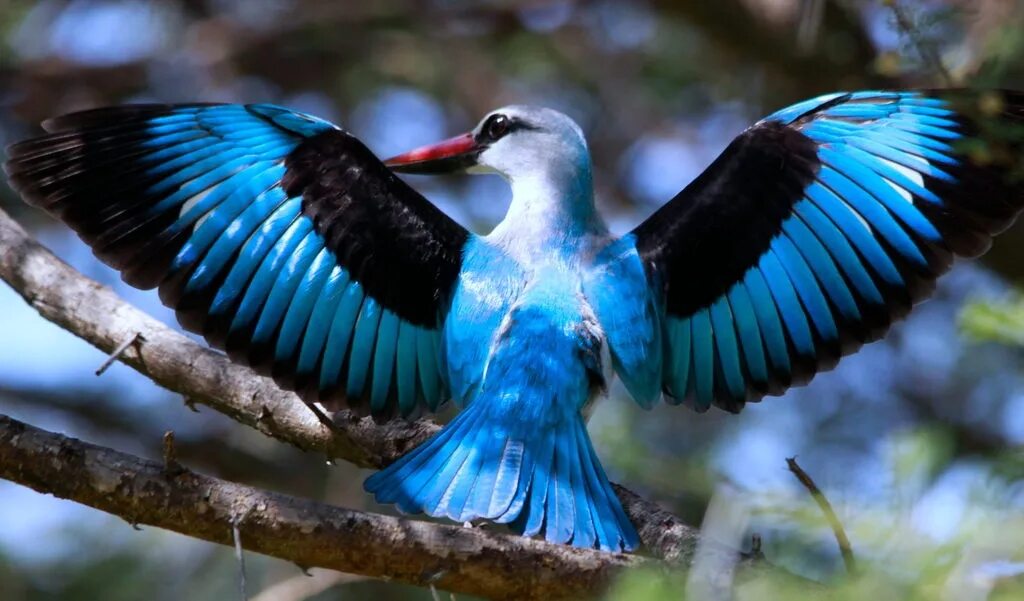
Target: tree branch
{"type": "Point", "coordinates": [308, 533]}
{"type": "Point", "coordinates": [826, 508]}
{"type": "Point", "coordinates": [96, 314]}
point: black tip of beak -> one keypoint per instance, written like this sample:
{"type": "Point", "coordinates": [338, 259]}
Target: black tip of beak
{"type": "Point", "coordinates": [450, 156]}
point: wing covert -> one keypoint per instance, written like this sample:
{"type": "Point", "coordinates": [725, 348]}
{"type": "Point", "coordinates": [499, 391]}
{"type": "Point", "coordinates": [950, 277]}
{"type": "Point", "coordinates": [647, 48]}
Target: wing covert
{"type": "Point", "coordinates": [817, 228]}
{"type": "Point", "coordinates": [276, 235]}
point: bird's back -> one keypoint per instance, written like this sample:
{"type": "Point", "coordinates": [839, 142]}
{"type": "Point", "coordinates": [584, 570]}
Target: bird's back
{"type": "Point", "coordinates": [525, 352]}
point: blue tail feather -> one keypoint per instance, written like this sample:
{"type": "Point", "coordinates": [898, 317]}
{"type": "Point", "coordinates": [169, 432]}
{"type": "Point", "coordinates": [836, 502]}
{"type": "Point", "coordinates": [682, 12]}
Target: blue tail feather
{"type": "Point", "coordinates": [424, 484]}
{"type": "Point", "coordinates": [584, 528]}
{"type": "Point", "coordinates": [419, 468]}
{"type": "Point", "coordinates": [542, 480]}
{"type": "Point", "coordinates": [561, 509]}
{"type": "Point", "coordinates": [532, 516]}
{"type": "Point", "coordinates": [507, 499]}
{"type": "Point", "coordinates": [603, 506]}
{"type": "Point", "coordinates": [484, 489]}
{"type": "Point", "coordinates": [624, 534]}
{"type": "Point", "coordinates": [477, 445]}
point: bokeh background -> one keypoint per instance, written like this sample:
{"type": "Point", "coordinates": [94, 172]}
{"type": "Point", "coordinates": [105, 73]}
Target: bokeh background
{"type": "Point", "coordinates": [917, 440]}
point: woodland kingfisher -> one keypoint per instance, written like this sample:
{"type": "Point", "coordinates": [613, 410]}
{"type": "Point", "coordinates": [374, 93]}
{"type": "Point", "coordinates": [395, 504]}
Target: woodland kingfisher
{"type": "Point", "coordinates": [285, 242]}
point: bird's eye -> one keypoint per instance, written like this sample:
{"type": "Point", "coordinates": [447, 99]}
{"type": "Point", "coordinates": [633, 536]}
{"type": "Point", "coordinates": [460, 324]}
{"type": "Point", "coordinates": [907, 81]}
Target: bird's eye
{"type": "Point", "coordinates": [496, 127]}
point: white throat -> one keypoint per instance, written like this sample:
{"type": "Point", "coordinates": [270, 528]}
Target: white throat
{"type": "Point", "coordinates": [552, 215]}
{"type": "Point", "coordinates": [545, 159]}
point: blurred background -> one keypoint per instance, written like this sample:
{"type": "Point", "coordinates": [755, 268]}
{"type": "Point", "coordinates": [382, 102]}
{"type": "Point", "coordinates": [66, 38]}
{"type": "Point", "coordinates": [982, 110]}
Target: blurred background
{"type": "Point", "coordinates": [917, 440]}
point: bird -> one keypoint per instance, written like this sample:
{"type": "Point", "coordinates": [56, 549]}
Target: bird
{"type": "Point", "coordinates": [285, 242]}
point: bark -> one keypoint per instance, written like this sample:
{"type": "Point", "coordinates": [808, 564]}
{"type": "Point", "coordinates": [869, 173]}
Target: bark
{"type": "Point", "coordinates": [311, 534]}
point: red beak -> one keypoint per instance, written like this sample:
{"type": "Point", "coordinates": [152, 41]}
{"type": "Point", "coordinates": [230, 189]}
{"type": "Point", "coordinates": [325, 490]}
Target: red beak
{"type": "Point", "coordinates": [449, 156]}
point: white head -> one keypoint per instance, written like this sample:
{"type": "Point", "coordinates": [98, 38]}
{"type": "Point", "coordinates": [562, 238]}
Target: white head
{"type": "Point", "coordinates": [543, 155]}
{"type": "Point", "coordinates": [524, 141]}
{"type": "Point", "coordinates": [521, 143]}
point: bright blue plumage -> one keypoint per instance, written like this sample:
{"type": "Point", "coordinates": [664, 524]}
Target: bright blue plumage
{"type": "Point", "coordinates": [288, 244]}
{"type": "Point", "coordinates": [617, 290]}
{"type": "Point", "coordinates": [747, 330]}
{"type": "Point", "coordinates": [520, 443]}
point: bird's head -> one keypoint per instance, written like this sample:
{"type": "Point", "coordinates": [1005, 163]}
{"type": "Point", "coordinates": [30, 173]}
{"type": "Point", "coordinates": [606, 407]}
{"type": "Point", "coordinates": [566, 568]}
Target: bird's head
{"type": "Point", "coordinates": [513, 141]}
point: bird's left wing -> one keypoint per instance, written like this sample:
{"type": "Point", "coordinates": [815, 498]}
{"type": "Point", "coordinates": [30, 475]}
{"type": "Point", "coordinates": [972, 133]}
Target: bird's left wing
{"type": "Point", "coordinates": [276, 235]}
{"type": "Point", "coordinates": [819, 226]}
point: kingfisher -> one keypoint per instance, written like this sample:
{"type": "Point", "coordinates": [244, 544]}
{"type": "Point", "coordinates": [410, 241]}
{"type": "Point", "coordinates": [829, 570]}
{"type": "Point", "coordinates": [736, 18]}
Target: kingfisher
{"type": "Point", "coordinates": [285, 242]}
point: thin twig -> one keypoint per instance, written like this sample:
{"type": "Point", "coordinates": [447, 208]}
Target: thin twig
{"type": "Point", "coordinates": [323, 418]}
{"type": "Point", "coordinates": [236, 535]}
{"type": "Point", "coordinates": [927, 50]}
{"type": "Point", "coordinates": [826, 508]}
{"type": "Point", "coordinates": [171, 465]}
{"type": "Point", "coordinates": [306, 585]}
{"type": "Point", "coordinates": [121, 348]}
{"type": "Point", "coordinates": [756, 554]}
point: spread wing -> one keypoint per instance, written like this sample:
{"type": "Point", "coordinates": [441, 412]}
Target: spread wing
{"type": "Point", "coordinates": [279, 237]}
{"type": "Point", "coordinates": [817, 228]}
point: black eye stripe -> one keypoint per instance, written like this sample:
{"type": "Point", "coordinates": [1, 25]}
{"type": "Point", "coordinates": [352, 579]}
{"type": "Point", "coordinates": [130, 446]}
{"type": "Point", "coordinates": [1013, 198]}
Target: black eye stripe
{"type": "Point", "coordinates": [517, 124]}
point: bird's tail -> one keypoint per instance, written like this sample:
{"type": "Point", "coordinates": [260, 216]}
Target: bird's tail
{"type": "Point", "coordinates": [540, 476]}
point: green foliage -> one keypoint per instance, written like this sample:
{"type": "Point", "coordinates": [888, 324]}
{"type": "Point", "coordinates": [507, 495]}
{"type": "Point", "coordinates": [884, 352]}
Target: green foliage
{"type": "Point", "coordinates": [974, 553]}
{"type": "Point", "coordinates": [1002, 322]}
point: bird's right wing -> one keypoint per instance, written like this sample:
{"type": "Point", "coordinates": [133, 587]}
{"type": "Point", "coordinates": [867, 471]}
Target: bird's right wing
{"type": "Point", "coordinates": [278, 236]}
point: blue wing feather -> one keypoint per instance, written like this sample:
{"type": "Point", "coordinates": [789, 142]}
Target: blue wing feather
{"type": "Point", "coordinates": [340, 334]}
{"type": "Point", "coordinates": [265, 209]}
{"type": "Point", "coordinates": [384, 360]}
{"type": "Point", "coordinates": [303, 301]}
{"type": "Point", "coordinates": [742, 309]}
{"type": "Point", "coordinates": [873, 213]}
{"type": "Point", "coordinates": [855, 230]}
{"type": "Point", "coordinates": [320, 322]}
{"type": "Point", "coordinates": [788, 303]}
{"type": "Point", "coordinates": [840, 250]}
{"type": "Point", "coordinates": [405, 367]}
{"type": "Point", "coordinates": [677, 359]}
{"type": "Point", "coordinates": [255, 298]}
{"type": "Point", "coordinates": [727, 347]}
{"type": "Point", "coordinates": [806, 287]}
{"type": "Point", "coordinates": [361, 352]}
{"type": "Point", "coordinates": [888, 196]}
{"type": "Point", "coordinates": [703, 359]}
{"type": "Point", "coordinates": [824, 268]}
{"type": "Point", "coordinates": [284, 286]}
{"type": "Point", "coordinates": [768, 319]}
{"type": "Point", "coordinates": [430, 376]}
